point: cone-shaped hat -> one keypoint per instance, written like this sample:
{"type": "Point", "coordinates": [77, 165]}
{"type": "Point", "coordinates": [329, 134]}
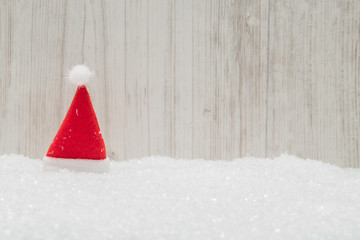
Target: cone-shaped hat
{"type": "Point", "coordinates": [78, 145]}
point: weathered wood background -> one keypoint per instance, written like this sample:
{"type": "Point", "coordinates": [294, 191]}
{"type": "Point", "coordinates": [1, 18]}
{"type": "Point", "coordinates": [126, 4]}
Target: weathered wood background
{"type": "Point", "coordinates": [187, 78]}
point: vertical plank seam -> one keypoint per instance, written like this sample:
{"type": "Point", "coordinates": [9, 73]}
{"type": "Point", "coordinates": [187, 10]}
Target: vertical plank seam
{"type": "Point", "coordinates": [83, 37]}
{"type": "Point", "coordinates": [125, 72]}
{"type": "Point", "coordinates": [267, 81]}
{"type": "Point", "coordinates": [192, 80]}
{"type": "Point", "coordinates": [106, 86]}
{"type": "Point", "coordinates": [147, 79]}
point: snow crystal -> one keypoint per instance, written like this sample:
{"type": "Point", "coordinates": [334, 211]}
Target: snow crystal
{"type": "Point", "coordinates": [163, 198]}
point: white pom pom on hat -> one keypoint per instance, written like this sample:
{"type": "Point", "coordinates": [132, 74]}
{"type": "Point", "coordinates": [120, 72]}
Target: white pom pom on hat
{"type": "Point", "coordinates": [80, 75]}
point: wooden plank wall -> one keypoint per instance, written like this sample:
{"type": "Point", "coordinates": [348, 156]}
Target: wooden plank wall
{"type": "Point", "coordinates": [187, 78]}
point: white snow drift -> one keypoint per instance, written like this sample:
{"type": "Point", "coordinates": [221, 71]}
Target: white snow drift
{"type": "Point", "coordinates": [163, 198]}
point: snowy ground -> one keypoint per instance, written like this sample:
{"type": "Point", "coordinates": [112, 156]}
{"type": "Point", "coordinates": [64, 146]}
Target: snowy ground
{"type": "Point", "coordinates": [162, 198]}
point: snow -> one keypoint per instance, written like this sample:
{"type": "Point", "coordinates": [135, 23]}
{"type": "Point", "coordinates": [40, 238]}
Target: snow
{"type": "Point", "coordinates": [163, 198]}
{"type": "Point", "coordinates": [76, 165]}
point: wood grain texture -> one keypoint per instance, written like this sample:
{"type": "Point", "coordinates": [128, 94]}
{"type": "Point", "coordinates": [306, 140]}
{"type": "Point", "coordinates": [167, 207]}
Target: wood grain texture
{"type": "Point", "coordinates": [187, 78]}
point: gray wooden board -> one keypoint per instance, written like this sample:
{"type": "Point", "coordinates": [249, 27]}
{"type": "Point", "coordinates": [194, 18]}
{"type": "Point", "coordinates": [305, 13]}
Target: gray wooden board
{"type": "Point", "coordinates": [186, 78]}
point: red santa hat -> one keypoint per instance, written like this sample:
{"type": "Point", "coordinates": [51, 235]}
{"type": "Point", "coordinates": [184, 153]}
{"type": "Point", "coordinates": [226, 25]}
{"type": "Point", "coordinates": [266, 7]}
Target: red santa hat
{"type": "Point", "coordinates": [78, 145]}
